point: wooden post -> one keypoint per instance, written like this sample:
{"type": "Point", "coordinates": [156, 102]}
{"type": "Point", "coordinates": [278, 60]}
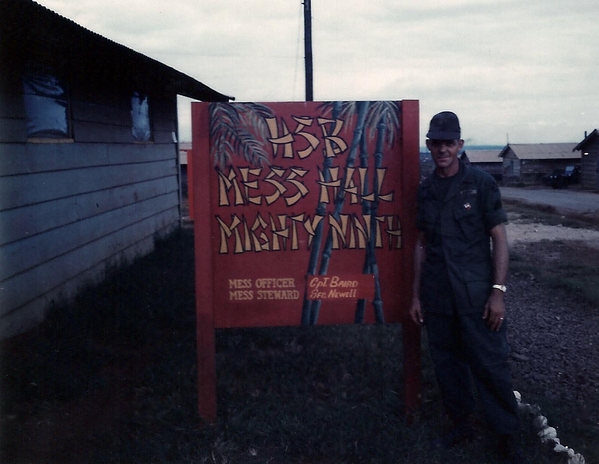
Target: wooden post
{"type": "Point", "coordinates": [308, 50]}
{"type": "Point", "coordinates": [411, 332]}
{"type": "Point", "coordinates": [190, 183]}
{"type": "Point", "coordinates": [203, 264]}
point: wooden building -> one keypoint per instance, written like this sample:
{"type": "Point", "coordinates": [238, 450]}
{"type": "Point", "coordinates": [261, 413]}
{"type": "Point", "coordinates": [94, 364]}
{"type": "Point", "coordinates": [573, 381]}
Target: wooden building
{"type": "Point", "coordinates": [486, 160]}
{"type": "Point", "coordinates": [529, 163]}
{"type": "Point", "coordinates": [589, 167]}
{"type": "Point", "coordinates": [89, 172]}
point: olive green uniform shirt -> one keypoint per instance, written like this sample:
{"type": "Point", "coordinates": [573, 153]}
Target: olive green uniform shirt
{"type": "Point", "coordinates": [458, 267]}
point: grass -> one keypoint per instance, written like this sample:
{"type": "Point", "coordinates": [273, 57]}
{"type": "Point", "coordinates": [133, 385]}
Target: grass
{"type": "Point", "coordinates": [329, 394]}
{"type": "Point", "coordinates": [577, 277]}
{"type": "Point", "coordinates": [570, 273]}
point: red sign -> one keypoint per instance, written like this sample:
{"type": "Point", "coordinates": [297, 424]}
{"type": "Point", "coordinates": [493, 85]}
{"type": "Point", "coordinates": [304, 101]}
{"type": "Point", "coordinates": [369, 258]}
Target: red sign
{"type": "Point", "coordinates": [304, 212]}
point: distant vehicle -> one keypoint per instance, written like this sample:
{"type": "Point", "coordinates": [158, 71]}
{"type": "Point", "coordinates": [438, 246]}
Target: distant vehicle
{"type": "Point", "coordinates": [561, 178]}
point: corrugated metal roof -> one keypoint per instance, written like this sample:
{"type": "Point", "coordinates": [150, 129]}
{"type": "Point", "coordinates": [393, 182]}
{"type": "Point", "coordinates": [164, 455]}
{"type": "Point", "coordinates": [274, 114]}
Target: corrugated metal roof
{"type": "Point", "coordinates": [29, 32]}
{"type": "Point", "coordinates": [483, 156]}
{"type": "Point", "coordinates": [541, 151]}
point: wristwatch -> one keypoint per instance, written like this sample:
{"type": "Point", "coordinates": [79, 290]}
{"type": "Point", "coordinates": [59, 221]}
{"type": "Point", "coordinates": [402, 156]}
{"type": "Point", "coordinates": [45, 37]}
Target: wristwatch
{"type": "Point", "coordinates": [503, 288]}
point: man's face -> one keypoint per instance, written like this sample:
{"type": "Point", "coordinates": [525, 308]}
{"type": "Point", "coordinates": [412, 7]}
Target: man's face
{"type": "Point", "coordinates": [445, 154]}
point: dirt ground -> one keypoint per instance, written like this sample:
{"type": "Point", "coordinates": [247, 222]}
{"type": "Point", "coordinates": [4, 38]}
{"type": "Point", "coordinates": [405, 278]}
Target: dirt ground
{"type": "Point", "coordinates": [522, 232]}
{"type": "Point", "coordinates": [547, 245]}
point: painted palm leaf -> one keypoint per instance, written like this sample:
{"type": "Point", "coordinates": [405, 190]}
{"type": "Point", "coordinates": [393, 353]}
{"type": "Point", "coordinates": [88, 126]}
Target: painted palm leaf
{"type": "Point", "coordinates": [239, 130]}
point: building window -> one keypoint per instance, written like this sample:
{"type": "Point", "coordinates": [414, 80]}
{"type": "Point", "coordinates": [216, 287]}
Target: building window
{"type": "Point", "coordinates": [46, 106]}
{"type": "Point", "coordinates": [140, 115]}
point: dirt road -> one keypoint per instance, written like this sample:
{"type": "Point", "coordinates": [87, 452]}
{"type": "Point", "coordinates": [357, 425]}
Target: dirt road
{"type": "Point", "coordinates": [565, 201]}
{"type": "Point", "coordinates": [562, 199]}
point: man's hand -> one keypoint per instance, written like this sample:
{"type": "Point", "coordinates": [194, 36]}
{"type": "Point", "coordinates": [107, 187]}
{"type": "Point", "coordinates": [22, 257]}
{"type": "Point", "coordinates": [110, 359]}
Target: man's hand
{"type": "Point", "coordinates": [416, 312]}
{"type": "Point", "coordinates": [495, 307]}
{"type": "Point", "coordinates": [495, 310]}
{"type": "Point", "coordinates": [419, 257]}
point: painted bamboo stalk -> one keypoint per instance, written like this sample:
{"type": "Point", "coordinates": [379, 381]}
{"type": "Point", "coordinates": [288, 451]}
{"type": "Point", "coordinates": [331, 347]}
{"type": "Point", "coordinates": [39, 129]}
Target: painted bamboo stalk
{"type": "Point", "coordinates": [385, 114]}
{"type": "Point", "coordinates": [366, 209]}
{"type": "Point", "coordinates": [321, 208]}
{"type": "Point", "coordinates": [377, 303]}
{"type": "Point", "coordinates": [362, 111]}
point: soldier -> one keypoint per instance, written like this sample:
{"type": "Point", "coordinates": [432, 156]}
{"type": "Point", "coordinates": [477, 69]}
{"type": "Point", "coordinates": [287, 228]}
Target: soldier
{"type": "Point", "coordinates": [459, 289]}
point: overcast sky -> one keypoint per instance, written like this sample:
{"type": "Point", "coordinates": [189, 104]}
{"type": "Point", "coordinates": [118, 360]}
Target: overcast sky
{"type": "Point", "coordinates": [527, 68]}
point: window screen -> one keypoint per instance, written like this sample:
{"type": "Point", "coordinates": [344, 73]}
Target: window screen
{"type": "Point", "coordinates": [140, 114]}
{"type": "Point", "coordinates": [46, 105]}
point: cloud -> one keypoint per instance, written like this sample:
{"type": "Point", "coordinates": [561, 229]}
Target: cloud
{"type": "Point", "coordinates": [506, 66]}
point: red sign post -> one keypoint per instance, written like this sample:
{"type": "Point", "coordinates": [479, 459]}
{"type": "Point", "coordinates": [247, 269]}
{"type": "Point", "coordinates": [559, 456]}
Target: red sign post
{"type": "Point", "coordinates": [304, 214]}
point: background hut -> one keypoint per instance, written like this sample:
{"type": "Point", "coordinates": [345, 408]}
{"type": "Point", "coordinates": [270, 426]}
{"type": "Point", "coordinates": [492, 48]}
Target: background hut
{"type": "Point", "coordinates": [529, 163]}
{"type": "Point", "coordinates": [589, 148]}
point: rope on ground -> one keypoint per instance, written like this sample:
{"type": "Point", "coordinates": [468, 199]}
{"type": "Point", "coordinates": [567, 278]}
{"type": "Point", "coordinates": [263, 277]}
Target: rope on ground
{"type": "Point", "coordinates": [547, 434]}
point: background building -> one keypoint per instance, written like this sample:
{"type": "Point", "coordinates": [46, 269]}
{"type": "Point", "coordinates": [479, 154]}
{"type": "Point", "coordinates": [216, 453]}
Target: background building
{"type": "Point", "coordinates": [529, 163]}
{"type": "Point", "coordinates": [589, 149]}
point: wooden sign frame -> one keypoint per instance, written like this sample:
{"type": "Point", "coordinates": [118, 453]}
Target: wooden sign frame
{"type": "Point", "coordinates": [304, 213]}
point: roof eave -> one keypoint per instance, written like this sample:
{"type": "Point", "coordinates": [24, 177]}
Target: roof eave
{"type": "Point", "coordinates": [586, 140]}
{"type": "Point", "coordinates": [28, 25]}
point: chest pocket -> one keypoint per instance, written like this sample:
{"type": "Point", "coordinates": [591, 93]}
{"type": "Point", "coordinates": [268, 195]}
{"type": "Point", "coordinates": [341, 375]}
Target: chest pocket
{"type": "Point", "coordinates": [467, 213]}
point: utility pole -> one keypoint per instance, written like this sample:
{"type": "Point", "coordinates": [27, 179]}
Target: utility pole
{"type": "Point", "coordinates": [308, 50]}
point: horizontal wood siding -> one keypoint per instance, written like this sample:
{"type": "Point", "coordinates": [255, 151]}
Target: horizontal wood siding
{"type": "Point", "coordinates": [12, 115]}
{"type": "Point", "coordinates": [62, 240]}
{"type": "Point", "coordinates": [543, 167]}
{"type": "Point", "coordinates": [26, 286]}
{"type": "Point", "coordinates": [589, 170]}
{"type": "Point", "coordinates": [24, 190]}
{"type": "Point", "coordinates": [590, 165]}
{"type": "Point", "coordinates": [101, 113]}
{"type": "Point", "coordinates": [33, 310]}
{"type": "Point", "coordinates": [12, 130]}
{"type": "Point", "coordinates": [35, 219]}
{"type": "Point", "coordinates": [70, 210]}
